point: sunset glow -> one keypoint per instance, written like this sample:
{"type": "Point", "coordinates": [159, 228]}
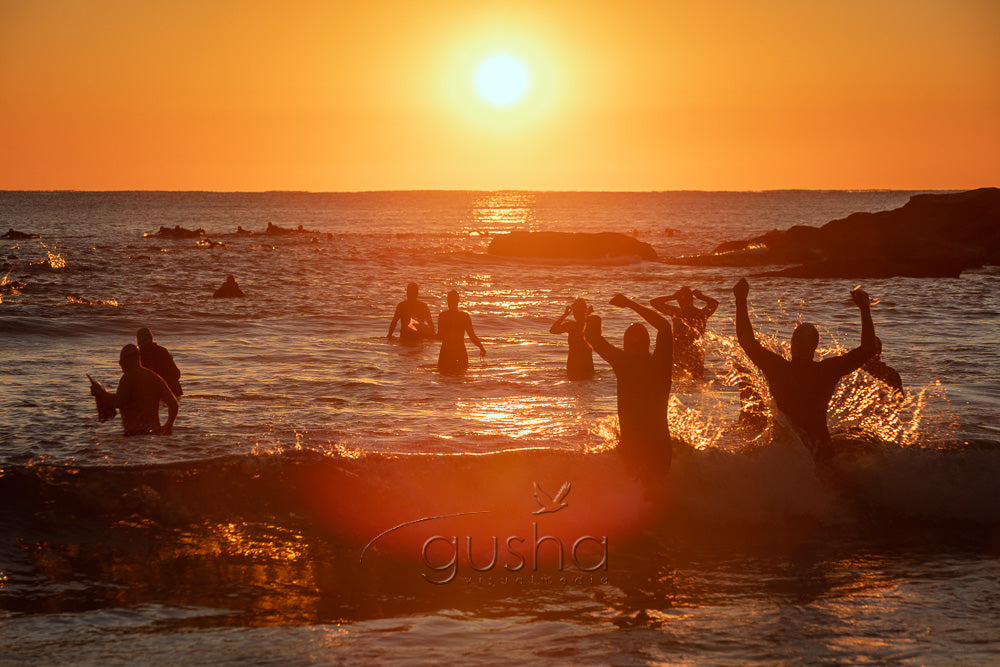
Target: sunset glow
{"type": "Point", "coordinates": [369, 96]}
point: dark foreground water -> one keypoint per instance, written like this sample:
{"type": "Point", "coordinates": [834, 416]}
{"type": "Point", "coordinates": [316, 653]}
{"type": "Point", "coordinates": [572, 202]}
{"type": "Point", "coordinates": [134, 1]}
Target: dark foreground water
{"type": "Point", "coordinates": [327, 496]}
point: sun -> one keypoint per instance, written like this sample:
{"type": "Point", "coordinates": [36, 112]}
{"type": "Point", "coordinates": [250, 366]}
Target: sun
{"type": "Point", "coordinates": [502, 80]}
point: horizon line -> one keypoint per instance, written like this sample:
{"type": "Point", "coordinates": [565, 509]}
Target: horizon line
{"type": "Point", "coordinates": [479, 190]}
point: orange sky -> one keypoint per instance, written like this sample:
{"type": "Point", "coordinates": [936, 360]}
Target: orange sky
{"type": "Point", "coordinates": [334, 96]}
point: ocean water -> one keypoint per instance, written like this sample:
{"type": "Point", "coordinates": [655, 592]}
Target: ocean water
{"type": "Point", "coordinates": [327, 496]}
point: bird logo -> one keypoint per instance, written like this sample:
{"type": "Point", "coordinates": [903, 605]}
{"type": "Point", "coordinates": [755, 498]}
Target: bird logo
{"type": "Point", "coordinates": [549, 504]}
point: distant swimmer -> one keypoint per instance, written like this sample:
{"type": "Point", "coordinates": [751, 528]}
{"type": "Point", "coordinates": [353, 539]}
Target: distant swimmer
{"type": "Point", "coordinates": [453, 325]}
{"type": "Point", "coordinates": [880, 370]}
{"type": "Point", "coordinates": [230, 289]}
{"type": "Point", "coordinates": [802, 388]}
{"type": "Point", "coordinates": [414, 318]}
{"type": "Point", "coordinates": [643, 383]}
{"type": "Point", "coordinates": [690, 323]}
{"type": "Point", "coordinates": [156, 358]}
{"type": "Point", "coordinates": [137, 398]}
{"type": "Point", "coordinates": [580, 362]}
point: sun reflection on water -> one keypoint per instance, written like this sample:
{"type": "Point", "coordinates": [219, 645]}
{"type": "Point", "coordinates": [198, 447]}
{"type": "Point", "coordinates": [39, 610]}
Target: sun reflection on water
{"type": "Point", "coordinates": [500, 212]}
{"type": "Point", "coordinates": [516, 416]}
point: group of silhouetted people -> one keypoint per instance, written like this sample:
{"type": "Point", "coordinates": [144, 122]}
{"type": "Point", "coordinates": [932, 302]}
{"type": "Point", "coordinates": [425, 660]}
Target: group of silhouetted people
{"type": "Point", "coordinates": [801, 387]}
{"type": "Point", "coordinates": [416, 324]}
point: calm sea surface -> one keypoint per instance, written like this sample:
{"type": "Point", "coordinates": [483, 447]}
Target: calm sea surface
{"type": "Point", "coordinates": [319, 500]}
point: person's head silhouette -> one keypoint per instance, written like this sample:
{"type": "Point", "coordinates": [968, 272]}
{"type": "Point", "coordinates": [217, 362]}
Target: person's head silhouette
{"type": "Point", "coordinates": [805, 338]}
{"type": "Point", "coordinates": [636, 340]}
{"type": "Point", "coordinates": [685, 297]}
{"type": "Point", "coordinates": [129, 357]}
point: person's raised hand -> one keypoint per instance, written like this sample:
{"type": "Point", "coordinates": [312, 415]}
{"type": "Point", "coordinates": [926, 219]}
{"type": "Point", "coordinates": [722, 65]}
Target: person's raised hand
{"type": "Point", "coordinates": [620, 300]}
{"type": "Point", "coordinates": [741, 289]}
{"type": "Point", "coordinates": [860, 297]}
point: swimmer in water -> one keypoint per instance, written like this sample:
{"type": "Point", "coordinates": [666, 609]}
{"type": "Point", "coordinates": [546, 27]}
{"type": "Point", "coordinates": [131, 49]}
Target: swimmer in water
{"type": "Point", "coordinates": [453, 325]}
{"type": "Point", "coordinates": [580, 361]}
{"type": "Point", "coordinates": [690, 323]}
{"type": "Point", "coordinates": [414, 318]}
{"type": "Point", "coordinates": [802, 388]}
{"type": "Point", "coordinates": [643, 383]}
{"type": "Point", "coordinates": [139, 394]}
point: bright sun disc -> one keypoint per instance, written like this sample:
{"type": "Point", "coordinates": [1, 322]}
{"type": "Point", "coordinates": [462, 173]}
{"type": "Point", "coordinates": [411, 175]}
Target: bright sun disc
{"type": "Point", "coordinates": [502, 79]}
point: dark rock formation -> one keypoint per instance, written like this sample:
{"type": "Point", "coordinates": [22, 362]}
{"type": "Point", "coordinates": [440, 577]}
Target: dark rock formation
{"type": "Point", "coordinates": [577, 245]}
{"type": "Point", "coordinates": [933, 235]}
{"type": "Point", "coordinates": [276, 230]}
{"type": "Point", "coordinates": [178, 232]}
{"type": "Point", "coordinates": [14, 234]}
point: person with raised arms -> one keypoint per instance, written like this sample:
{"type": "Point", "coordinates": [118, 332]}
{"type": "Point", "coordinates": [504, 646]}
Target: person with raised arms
{"type": "Point", "coordinates": [802, 387]}
{"type": "Point", "coordinates": [690, 323]}
{"type": "Point", "coordinates": [643, 383]}
{"type": "Point", "coordinates": [580, 361]}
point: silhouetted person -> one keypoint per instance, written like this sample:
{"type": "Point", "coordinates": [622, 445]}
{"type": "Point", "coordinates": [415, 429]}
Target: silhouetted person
{"type": "Point", "coordinates": [880, 370]}
{"type": "Point", "coordinates": [643, 380]}
{"type": "Point", "coordinates": [453, 324]}
{"type": "Point", "coordinates": [414, 317]}
{"type": "Point", "coordinates": [802, 387]}
{"type": "Point", "coordinates": [230, 289]}
{"type": "Point", "coordinates": [689, 329]}
{"type": "Point", "coordinates": [156, 358]}
{"type": "Point", "coordinates": [139, 394]}
{"type": "Point", "coordinates": [580, 361]}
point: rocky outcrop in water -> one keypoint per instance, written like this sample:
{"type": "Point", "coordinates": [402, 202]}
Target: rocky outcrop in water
{"type": "Point", "coordinates": [14, 234]}
{"type": "Point", "coordinates": [177, 232]}
{"type": "Point", "coordinates": [573, 245]}
{"type": "Point", "coordinates": [932, 235]}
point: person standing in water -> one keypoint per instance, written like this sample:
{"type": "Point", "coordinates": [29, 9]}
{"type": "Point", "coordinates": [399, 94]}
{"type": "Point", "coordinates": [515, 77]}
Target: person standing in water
{"type": "Point", "coordinates": [156, 358]}
{"type": "Point", "coordinates": [690, 323]}
{"type": "Point", "coordinates": [802, 388]}
{"type": "Point", "coordinates": [643, 380]}
{"type": "Point", "coordinates": [580, 361]}
{"type": "Point", "coordinates": [414, 318]}
{"type": "Point", "coordinates": [139, 394]}
{"type": "Point", "coordinates": [453, 325]}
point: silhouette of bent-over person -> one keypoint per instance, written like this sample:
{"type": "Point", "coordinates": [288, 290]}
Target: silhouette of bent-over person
{"type": "Point", "coordinates": [580, 361]}
{"type": "Point", "coordinates": [230, 289]}
{"type": "Point", "coordinates": [139, 394]}
{"type": "Point", "coordinates": [156, 358]}
{"type": "Point", "coordinates": [880, 370]}
{"type": "Point", "coordinates": [689, 328]}
{"type": "Point", "coordinates": [643, 383]}
{"type": "Point", "coordinates": [414, 318]}
{"type": "Point", "coordinates": [453, 324]}
{"type": "Point", "coordinates": [802, 388]}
